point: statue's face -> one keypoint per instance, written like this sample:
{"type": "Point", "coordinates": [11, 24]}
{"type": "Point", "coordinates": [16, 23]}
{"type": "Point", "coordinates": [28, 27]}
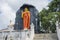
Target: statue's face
{"type": "Point", "coordinates": [26, 9]}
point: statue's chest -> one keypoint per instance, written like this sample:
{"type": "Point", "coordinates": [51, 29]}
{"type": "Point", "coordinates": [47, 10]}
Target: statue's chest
{"type": "Point", "coordinates": [25, 15]}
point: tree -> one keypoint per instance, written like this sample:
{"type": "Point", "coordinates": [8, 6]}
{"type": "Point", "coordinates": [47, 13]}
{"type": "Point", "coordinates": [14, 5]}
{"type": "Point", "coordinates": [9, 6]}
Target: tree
{"type": "Point", "coordinates": [43, 17]}
{"type": "Point", "coordinates": [48, 17]}
{"type": "Point", "coordinates": [54, 6]}
{"type": "Point", "coordinates": [48, 20]}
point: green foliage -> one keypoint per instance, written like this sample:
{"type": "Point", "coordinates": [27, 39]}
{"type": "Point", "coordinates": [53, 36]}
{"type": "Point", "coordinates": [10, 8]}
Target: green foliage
{"type": "Point", "coordinates": [54, 5]}
{"type": "Point", "coordinates": [48, 20]}
{"type": "Point", "coordinates": [48, 17]}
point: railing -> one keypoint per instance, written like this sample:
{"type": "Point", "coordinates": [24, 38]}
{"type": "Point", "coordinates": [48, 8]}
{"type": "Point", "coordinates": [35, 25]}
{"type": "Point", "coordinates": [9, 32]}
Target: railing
{"type": "Point", "coordinates": [18, 35]}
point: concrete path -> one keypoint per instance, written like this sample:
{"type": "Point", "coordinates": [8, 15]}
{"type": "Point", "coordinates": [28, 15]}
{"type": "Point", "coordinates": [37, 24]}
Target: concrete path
{"type": "Point", "coordinates": [51, 36]}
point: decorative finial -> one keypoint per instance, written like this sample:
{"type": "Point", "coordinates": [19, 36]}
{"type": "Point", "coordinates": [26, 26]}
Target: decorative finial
{"type": "Point", "coordinates": [11, 24]}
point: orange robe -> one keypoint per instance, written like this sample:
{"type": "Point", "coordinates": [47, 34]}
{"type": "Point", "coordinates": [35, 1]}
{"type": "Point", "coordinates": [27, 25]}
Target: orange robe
{"type": "Point", "coordinates": [26, 19]}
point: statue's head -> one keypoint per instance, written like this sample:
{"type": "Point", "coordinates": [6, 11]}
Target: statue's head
{"type": "Point", "coordinates": [26, 9]}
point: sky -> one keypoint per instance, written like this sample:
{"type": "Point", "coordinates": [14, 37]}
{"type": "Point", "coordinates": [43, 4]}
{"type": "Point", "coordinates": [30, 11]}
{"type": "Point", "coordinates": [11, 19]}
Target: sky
{"type": "Point", "coordinates": [8, 9]}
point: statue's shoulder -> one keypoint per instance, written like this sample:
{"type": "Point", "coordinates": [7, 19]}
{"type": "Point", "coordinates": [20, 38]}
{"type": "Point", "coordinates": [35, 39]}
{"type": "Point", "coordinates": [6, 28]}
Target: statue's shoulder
{"type": "Point", "coordinates": [22, 12]}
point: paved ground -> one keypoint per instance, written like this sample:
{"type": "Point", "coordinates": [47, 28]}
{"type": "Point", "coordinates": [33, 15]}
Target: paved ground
{"type": "Point", "coordinates": [52, 36]}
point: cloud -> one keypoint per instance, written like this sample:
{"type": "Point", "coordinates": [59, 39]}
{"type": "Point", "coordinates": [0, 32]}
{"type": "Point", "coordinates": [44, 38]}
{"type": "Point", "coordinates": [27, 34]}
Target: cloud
{"type": "Point", "coordinates": [39, 4]}
{"type": "Point", "coordinates": [8, 9]}
{"type": "Point", "coordinates": [7, 14]}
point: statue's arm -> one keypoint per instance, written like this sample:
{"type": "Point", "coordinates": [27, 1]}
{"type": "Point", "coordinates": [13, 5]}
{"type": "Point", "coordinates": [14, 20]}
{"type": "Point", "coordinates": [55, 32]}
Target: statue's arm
{"type": "Point", "coordinates": [29, 13]}
{"type": "Point", "coordinates": [22, 14]}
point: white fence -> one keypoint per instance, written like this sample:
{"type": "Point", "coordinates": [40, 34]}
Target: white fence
{"type": "Point", "coordinates": [18, 35]}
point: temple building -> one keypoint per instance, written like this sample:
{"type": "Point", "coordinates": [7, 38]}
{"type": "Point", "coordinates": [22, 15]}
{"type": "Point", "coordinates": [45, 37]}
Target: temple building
{"type": "Point", "coordinates": [15, 31]}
